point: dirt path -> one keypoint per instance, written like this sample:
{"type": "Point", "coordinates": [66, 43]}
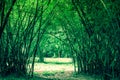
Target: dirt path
{"type": "Point", "coordinates": [59, 72]}
{"type": "Point", "coordinates": [53, 67]}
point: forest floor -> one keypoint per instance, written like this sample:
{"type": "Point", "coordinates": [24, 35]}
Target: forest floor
{"type": "Point", "coordinates": [55, 69]}
{"type": "Point", "coordinates": [59, 69]}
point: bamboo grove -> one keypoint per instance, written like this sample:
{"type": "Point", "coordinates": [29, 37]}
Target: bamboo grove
{"type": "Point", "coordinates": [91, 29]}
{"type": "Point", "coordinates": [99, 49]}
{"type": "Point", "coordinates": [19, 22]}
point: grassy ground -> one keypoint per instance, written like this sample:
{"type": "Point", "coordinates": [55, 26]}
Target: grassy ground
{"type": "Point", "coordinates": [59, 69]}
{"type": "Point", "coordinates": [54, 69]}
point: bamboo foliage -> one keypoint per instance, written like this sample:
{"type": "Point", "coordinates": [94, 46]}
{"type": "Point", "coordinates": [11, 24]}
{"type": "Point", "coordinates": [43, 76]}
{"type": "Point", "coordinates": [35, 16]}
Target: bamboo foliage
{"type": "Point", "coordinates": [23, 30]}
{"type": "Point", "coordinates": [4, 18]}
{"type": "Point", "coordinates": [90, 28]}
{"type": "Point", "coordinates": [99, 53]}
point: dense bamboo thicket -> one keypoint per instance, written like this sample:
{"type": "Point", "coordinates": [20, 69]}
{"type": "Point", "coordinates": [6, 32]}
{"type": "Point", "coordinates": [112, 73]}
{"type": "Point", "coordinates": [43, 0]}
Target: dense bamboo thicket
{"type": "Point", "coordinates": [86, 30]}
{"type": "Point", "coordinates": [19, 36]}
{"type": "Point", "coordinates": [99, 44]}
